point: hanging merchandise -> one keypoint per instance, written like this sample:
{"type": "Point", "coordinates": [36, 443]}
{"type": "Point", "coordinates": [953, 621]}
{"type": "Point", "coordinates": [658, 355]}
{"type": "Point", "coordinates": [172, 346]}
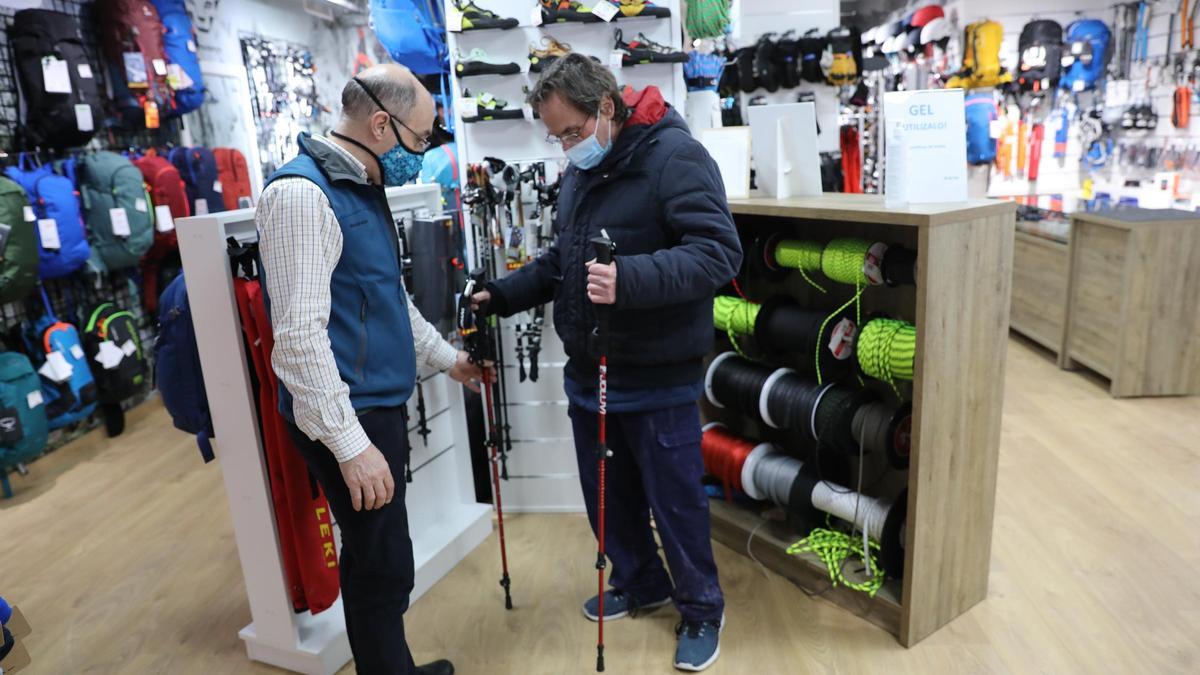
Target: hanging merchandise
{"type": "Point", "coordinates": [812, 47]}
{"type": "Point", "coordinates": [1036, 137]}
{"type": "Point", "coordinates": [168, 195]}
{"type": "Point", "coordinates": [787, 60]}
{"type": "Point", "coordinates": [550, 51]}
{"type": "Point", "coordinates": [766, 75]}
{"type": "Point", "coordinates": [62, 101]}
{"type": "Point", "coordinates": [707, 19]}
{"type": "Point", "coordinates": [982, 113]}
{"type": "Point", "coordinates": [412, 33]}
{"type": "Point", "coordinates": [632, 9]}
{"type": "Point", "coordinates": [234, 176]}
{"type": "Point", "coordinates": [1181, 110]}
{"type": "Point", "coordinates": [704, 71]}
{"type": "Point", "coordinates": [981, 58]}
{"type": "Point", "coordinates": [643, 50]}
{"type": "Point", "coordinates": [177, 374]}
{"type": "Point", "coordinates": [1040, 56]}
{"type": "Point", "coordinates": [1087, 54]}
{"type": "Point", "coordinates": [469, 16]}
{"type": "Point", "coordinates": [67, 383]}
{"type": "Point", "coordinates": [479, 63]}
{"type": "Point", "coordinates": [18, 243]}
{"type": "Point", "coordinates": [198, 168]}
{"type": "Point", "coordinates": [132, 36]}
{"type": "Point", "coordinates": [183, 62]}
{"type": "Point", "coordinates": [851, 160]}
{"type": "Point", "coordinates": [63, 244]}
{"type": "Point", "coordinates": [842, 61]}
{"type": "Point", "coordinates": [114, 353]}
{"type": "Point", "coordinates": [23, 424]}
{"type": "Point", "coordinates": [117, 208]}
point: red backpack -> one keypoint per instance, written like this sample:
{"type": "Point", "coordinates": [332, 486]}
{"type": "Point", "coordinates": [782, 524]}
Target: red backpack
{"type": "Point", "coordinates": [132, 34]}
{"type": "Point", "coordinates": [161, 263]}
{"type": "Point", "coordinates": [234, 176]}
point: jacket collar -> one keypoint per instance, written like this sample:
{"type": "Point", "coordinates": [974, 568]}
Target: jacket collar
{"type": "Point", "coordinates": [331, 162]}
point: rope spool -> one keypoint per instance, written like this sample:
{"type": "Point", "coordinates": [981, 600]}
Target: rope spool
{"type": "Point", "coordinates": [886, 349]}
{"type": "Point", "coordinates": [810, 500]}
{"type": "Point", "coordinates": [801, 255]}
{"type": "Point", "coordinates": [783, 327]}
{"type": "Point", "coordinates": [899, 266]}
{"type": "Point", "coordinates": [833, 416]}
{"type": "Point", "coordinates": [844, 261]}
{"type": "Point", "coordinates": [772, 476]}
{"type": "Point", "coordinates": [734, 382]}
{"type": "Point", "coordinates": [885, 427]}
{"type": "Point", "coordinates": [736, 317]}
{"type": "Point", "coordinates": [725, 456]}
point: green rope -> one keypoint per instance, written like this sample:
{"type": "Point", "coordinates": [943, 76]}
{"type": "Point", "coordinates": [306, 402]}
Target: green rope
{"type": "Point", "coordinates": [834, 549]}
{"type": "Point", "coordinates": [842, 260]}
{"type": "Point", "coordinates": [886, 349]}
{"type": "Point", "coordinates": [707, 18]}
{"type": "Point", "coordinates": [802, 255]}
{"type": "Point", "coordinates": [736, 317]}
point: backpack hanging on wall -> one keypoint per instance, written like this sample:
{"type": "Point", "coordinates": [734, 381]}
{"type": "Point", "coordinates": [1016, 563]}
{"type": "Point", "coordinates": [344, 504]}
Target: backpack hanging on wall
{"type": "Point", "coordinates": [1088, 50]}
{"type": "Point", "coordinates": [18, 243]}
{"type": "Point", "coordinates": [234, 175]}
{"type": "Point", "coordinates": [132, 37]}
{"type": "Point", "coordinates": [23, 424]}
{"type": "Point", "coordinates": [787, 60]}
{"type": "Point", "coordinates": [161, 262]}
{"type": "Point", "coordinates": [842, 62]}
{"type": "Point", "coordinates": [183, 64]}
{"type": "Point", "coordinates": [1040, 56]}
{"type": "Point", "coordinates": [811, 47]}
{"type": "Point", "coordinates": [981, 111]}
{"type": "Point", "coordinates": [62, 242]}
{"type": "Point", "coordinates": [115, 356]}
{"type": "Point", "coordinates": [62, 111]}
{"type": "Point", "coordinates": [67, 383]}
{"type": "Point", "coordinates": [177, 374]}
{"type": "Point", "coordinates": [117, 208]}
{"type": "Point", "coordinates": [981, 58]}
{"type": "Point", "coordinates": [413, 32]}
{"type": "Point", "coordinates": [198, 168]}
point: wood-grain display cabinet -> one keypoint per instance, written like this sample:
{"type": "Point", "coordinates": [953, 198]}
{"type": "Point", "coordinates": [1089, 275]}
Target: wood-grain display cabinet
{"type": "Point", "coordinates": [960, 305]}
{"type": "Point", "coordinates": [1039, 289]}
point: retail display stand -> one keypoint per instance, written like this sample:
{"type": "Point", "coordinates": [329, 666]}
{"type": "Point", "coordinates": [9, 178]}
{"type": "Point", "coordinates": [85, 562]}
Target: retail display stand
{"type": "Point", "coordinates": [1039, 298]}
{"type": "Point", "coordinates": [960, 305]}
{"type": "Point", "coordinates": [445, 522]}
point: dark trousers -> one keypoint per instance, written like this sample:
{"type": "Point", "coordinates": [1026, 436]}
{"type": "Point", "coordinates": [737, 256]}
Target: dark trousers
{"type": "Point", "coordinates": [376, 564]}
{"type": "Point", "coordinates": [655, 468]}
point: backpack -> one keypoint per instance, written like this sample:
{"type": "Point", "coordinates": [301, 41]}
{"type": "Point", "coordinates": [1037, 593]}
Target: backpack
{"type": "Point", "coordinates": [198, 168]}
{"type": "Point", "coordinates": [842, 62]}
{"type": "Point", "coordinates": [234, 175]}
{"type": "Point", "coordinates": [1087, 54]}
{"type": "Point", "coordinates": [981, 112]}
{"type": "Point", "coordinates": [67, 383]}
{"type": "Point", "coordinates": [1040, 55]}
{"type": "Point", "coordinates": [177, 374]}
{"type": "Point", "coordinates": [108, 182]}
{"type": "Point", "coordinates": [981, 58]}
{"type": "Point", "coordinates": [132, 37]}
{"type": "Point", "coordinates": [18, 244]}
{"type": "Point", "coordinates": [114, 352]}
{"type": "Point", "coordinates": [161, 262]}
{"type": "Point", "coordinates": [23, 424]}
{"type": "Point", "coordinates": [56, 210]}
{"type": "Point", "coordinates": [811, 47]}
{"type": "Point", "coordinates": [183, 65]}
{"type": "Point", "coordinates": [787, 60]}
{"type": "Point", "coordinates": [54, 119]}
{"type": "Point", "coordinates": [413, 32]}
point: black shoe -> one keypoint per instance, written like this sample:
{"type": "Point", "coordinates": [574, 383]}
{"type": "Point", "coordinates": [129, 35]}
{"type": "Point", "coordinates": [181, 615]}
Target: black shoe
{"type": "Point", "coordinates": [477, 63]}
{"type": "Point", "coordinates": [635, 9]}
{"type": "Point", "coordinates": [643, 50]}
{"type": "Point", "coordinates": [477, 18]}
{"type": "Point", "coordinates": [563, 11]}
{"type": "Point", "coordinates": [439, 667]}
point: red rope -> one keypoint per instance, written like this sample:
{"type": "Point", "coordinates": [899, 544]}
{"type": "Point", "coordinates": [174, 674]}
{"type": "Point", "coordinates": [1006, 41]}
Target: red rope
{"type": "Point", "coordinates": [724, 455]}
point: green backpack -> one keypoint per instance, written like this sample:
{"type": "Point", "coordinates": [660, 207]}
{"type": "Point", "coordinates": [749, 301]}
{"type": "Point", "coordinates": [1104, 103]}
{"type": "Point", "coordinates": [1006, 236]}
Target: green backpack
{"type": "Point", "coordinates": [108, 181]}
{"type": "Point", "coordinates": [23, 426]}
{"type": "Point", "coordinates": [19, 252]}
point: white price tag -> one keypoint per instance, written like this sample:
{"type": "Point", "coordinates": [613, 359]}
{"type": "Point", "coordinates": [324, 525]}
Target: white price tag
{"type": "Point", "coordinates": [77, 352]}
{"type": "Point", "coordinates": [527, 112]}
{"type": "Point", "coordinates": [201, 207]}
{"type": "Point", "coordinates": [605, 10]}
{"type": "Point", "coordinates": [841, 340]}
{"type": "Point", "coordinates": [454, 21]}
{"type": "Point", "coordinates": [191, 45]}
{"type": "Point", "coordinates": [29, 217]}
{"type": "Point", "coordinates": [467, 107]}
{"type": "Point", "coordinates": [109, 355]}
{"type": "Point", "coordinates": [160, 67]}
{"type": "Point", "coordinates": [163, 222]}
{"type": "Point", "coordinates": [129, 347]}
{"type": "Point", "coordinates": [996, 128]}
{"type": "Point", "coordinates": [217, 186]}
{"type": "Point", "coordinates": [55, 75]}
{"type": "Point", "coordinates": [85, 71]}
{"type": "Point", "coordinates": [34, 399]}
{"type": "Point", "coordinates": [120, 222]}
{"type": "Point", "coordinates": [83, 117]}
{"type": "Point", "coordinates": [616, 58]}
{"type": "Point", "coordinates": [56, 368]}
{"type": "Point", "coordinates": [48, 229]}
{"type": "Point", "coordinates": [873, 263]}
{"type": "Point", "coordinates": [1077, 86]}
{"type": "Point", "coordinates": [486, 97]}
{"type": "Point", "coordinates": [140, 205]}
{"type": "Point", "coordinates": [535, 15]}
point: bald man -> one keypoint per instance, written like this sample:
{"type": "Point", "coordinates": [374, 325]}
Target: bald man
{"type": "Point", "coordinates": [348, 342]}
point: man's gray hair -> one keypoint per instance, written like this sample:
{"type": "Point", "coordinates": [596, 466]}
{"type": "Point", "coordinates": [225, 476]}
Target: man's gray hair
{"type": "Point", "coordinates": [581, 82]}
{"type": "Point", "coordinates": [396, 94]}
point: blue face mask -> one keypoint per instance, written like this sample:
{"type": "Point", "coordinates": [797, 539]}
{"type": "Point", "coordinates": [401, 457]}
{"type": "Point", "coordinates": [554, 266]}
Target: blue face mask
{"type": "Point", "coordinates": [588, 153]}
{"type": "Point", "coordinates": [399, 166]}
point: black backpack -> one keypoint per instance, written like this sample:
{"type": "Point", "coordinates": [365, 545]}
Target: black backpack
{"type": "Point", "coordinates": [765, 74]}
{"type": "Point", "coordinates": [811, 47]}
{"type": "Point", "coordinates": [787, 60]}
{"type": "Point", "coordinates": [1040, 55]}
{"type": "Point", "coordinates": [54, 119]}
{"type": "Point", "coordinates": [118, 366]}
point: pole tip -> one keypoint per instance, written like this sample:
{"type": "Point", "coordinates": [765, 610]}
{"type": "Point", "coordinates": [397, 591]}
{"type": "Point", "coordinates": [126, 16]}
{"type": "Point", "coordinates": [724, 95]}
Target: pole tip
{"type": "Point", "coordinates": [599, 659]}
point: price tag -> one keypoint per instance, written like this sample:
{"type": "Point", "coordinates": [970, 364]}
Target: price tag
{"type": "Point", "coordinates": [217, 186]}
{"type": "Point", "coordinates": [174, 76]}
{"type": "Point", "coordinates": [616, 58]}
{"type": "Point", "coordinates": [535, 15]}
{"type": "Point", "coordinates": [191, 45]}
{"type": "Point", "coordinates": [56, 368]}
{"type": "Point", "coordinates": [135, 70]}
{"type": "Point", "coordinates": [605, 10]}
{"type": "Point", "coordinates": [486, 98]}
{"type": "Point", "coordinates": [85, 71]}
{"type": "Point", "coordinates": [83, 117]}
{"type": "Point", "coordinates": [140, 205]}
{"type": "Point", "coordinates": [109, 355]}
{"type": "Point", "coordinates": [160, 67]}
{"type": "Point", "coordinates": [467, 107]}
{"type": "Point", "coordinates": [1077, 86]}
{"type": "Point", "coordinates": [163, 222]}
{"type": "Point", "coordinates": [48, 230]}
{"type": "Point", "coordinates": [120, 222]}
{"type": "Point", "coordinates": [151, 109]}
{"type": "Point", "coordinates": [201, 207]}
{"type": "Point", "coordinates": [454, 21]}
{"type": "Point", "coordinates": [55, 75]}
{"type": "Point", "coordinates": [841, 340]}
{"type": "Point", "coordinates": [527, 112]}
{"type": "Point", "coordinates": [34, 398]}
{"type": "Point", "coordinates": [873, 264]}
{"type": "Point", "coordinates": [129, 347]}
{"type": "Point", "coordinates": [77, 352]}
{"type": "Point", "coordinates": [29, 217]}
{"type": "Point", "coordinates": [996, 128]}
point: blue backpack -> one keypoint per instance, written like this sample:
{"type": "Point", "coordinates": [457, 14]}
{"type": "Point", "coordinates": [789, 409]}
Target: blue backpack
{"type": "Point", "coordinates": [177, 372]}
{"type": "Point", "coordinates": [179, 44]}
{"type": "Point", "coordinates": [70, 396]}
{"type": "Point", "coordinates": [981, 112]}
{"type": "Point", "coordinates": [23, 425]}
{"type": "Point", "coordinates": [53, 198]}
{"type": "Point", "coordinates": [413, 32]}
{"type": "Point", "coordinates": [198, 168]}
{"type": "Point", "coordinates": [1086, 56]}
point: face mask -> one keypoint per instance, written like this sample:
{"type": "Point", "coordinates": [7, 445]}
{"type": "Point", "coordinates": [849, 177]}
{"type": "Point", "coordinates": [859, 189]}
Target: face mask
{"type": "Point", "coordinates": [399, 166]}
{"type": "Point", "coordinates": [588, 153]}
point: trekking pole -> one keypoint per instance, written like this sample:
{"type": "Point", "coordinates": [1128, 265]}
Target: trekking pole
{"type": "Point", "coordinates": [605, 249]}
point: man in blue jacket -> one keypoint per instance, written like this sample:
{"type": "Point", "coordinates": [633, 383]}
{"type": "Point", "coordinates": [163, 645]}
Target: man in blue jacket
{"type": "Point", "coordinates": [636, 173]}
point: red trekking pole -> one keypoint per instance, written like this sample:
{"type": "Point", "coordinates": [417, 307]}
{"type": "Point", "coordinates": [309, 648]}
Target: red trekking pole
{"type": "Point", "coordinates": [605, 249]}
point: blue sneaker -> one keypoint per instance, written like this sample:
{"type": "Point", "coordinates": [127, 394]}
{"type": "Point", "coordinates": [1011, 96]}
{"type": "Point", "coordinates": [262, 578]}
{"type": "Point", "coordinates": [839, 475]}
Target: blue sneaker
{"type": "Point", "coordinates": [699, 644]}
{"type": "Point", "coordinates": [618, 605]}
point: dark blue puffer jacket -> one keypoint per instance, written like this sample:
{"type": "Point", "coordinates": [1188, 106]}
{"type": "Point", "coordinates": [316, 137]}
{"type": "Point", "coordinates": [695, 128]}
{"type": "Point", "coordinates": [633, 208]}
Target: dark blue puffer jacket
{"type": "Point", "coordinates": [660, 197]}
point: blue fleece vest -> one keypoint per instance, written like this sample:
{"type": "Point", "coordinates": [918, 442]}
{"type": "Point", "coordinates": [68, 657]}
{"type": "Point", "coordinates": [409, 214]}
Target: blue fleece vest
{"type": "Point", "coordinates": [369, 328]}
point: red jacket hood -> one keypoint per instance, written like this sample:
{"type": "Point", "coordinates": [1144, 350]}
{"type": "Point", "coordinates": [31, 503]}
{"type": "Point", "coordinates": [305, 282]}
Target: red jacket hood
{"type": "Point", "coordinates": [647, 106]}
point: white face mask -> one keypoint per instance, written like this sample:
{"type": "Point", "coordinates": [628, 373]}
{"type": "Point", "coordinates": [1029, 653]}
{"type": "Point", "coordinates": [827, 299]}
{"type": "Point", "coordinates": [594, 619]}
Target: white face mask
{"type": "Point", "coordinates": [588, 153]}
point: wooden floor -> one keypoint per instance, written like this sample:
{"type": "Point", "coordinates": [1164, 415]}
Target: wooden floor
{"type": "Point", "coordinates": [121, 555]}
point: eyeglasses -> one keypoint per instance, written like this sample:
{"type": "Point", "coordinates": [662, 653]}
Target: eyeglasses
{"type": "Point", "coordinates": [570, 138]}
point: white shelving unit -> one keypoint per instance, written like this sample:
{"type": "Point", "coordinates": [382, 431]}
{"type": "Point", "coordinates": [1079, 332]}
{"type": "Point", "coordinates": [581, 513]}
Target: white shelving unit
{"type": "Point", "coordinates": [445, 522]}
